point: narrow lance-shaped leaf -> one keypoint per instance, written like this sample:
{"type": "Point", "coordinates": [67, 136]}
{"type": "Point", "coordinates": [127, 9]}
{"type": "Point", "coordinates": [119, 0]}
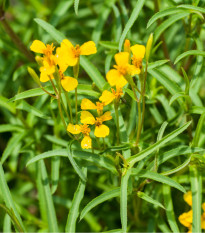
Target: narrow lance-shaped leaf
{"type": "Point", "coordinates": [189, 53]}
{"type": "Point", "coordinates": [74, 210]}
{"type": "Point", "coordinates": [135, 13]}
{"type": "Point", "coordinates": [141, 155]}
{"type": "Point", "coordinates": [98, 200]}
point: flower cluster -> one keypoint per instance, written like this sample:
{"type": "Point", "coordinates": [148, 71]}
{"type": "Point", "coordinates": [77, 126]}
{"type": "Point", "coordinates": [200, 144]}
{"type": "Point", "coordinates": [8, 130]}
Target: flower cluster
{"type": "Point", "coordinates": [186, 218]}
{"type": "Point", "coordinates": [66, 55]}
{"type": "Point", "coordinates": [54, 64]}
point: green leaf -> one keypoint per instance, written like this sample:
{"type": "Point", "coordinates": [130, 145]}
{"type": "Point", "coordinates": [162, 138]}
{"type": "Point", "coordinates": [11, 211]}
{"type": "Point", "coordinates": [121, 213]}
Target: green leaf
{"type": "Point", "coordinates": [7, 224]}
{"type": "Point", "coordinates": [98, 200]}
{"type": "Point", "coordinates": [180, 167]}
{"type": "Point", "coordinates": [178, 95]}
{"type": "Point", "coordinates": [93, 158]}
{"type": "Point", "coordinates": [105, 11]}
{"type": "Point", "coordinates": [147, 198]}
{"type": "Point", "coordinates": [5, 104]}
{"type": "Point", "coordinates": [155, 64]}
{"type": "Point", "coordinates": [58, 36]}
{"type": "Point", "coordinates": [189, 53]}
{"type": "Point", "coordinates": [191, 7]}
{"type": "Point", "coordinates": [74, 210]}
{"type": "Point", "coordinates": [12, 143]}
{"type": "Point", "coordinates": [157, 177]}
{"type": "Point", "coordinates": [123, 200]}
{"type": "Point", "coordinates": [84, 89]}
{"type": "Point", "coordinates": [23, 105]}
{"type": "Point", "coordinates": [109, 45]}
{"type": "Point", "coordinates": [52, 220]}
{"type": "Point", "coordinates": [8, 198]}
{"type": "Point", "coordinates": [135, 13]}
{"type": "Point", "coordinates": [196, 190]}
{"type": "Point", "coordinates": [130, 93]}
{"type": "Point", "coordinates": [199, 128]}
{"type": "Point", "coordinates": [167, 23]}
{"type": "Point", "coordinates": [197, 110]}
{"type": "Point", "coordinates": [171, 86]}
{"type": "Point", "coordinates": [10, 127]}
{"type": "Point", "coordinates": [169, 208]}
{"type": "Point", "coordinates": [76, 4]}
{"type": "Point", "coordinates": [93, 72]}
{"type": "Point", "coordinates": [31, 93]}
{"type": "Point", "coordinates": [163, 13]}
{"type": "Point", "coordinates": [74, 164]}
{"type": "Point", "coordinates": [141, 155]}
{"type": "Point", "coordinates": [55, 170]}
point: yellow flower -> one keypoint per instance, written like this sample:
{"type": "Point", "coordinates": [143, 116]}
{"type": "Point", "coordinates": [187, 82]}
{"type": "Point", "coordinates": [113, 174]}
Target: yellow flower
{"type": "Point", "coordinates": [188, 198]}
{"type": "Point", "coordinates": [68, 55]}
{"type": "Point", "coordinates": [86, 104]}
{"type": "Point", "coordinates": [107, 96]}
{"type": "Point", "coordinates": [86, 143]}
{"type": "Point", "coordinates": [101, 130]}
{"type": "Point", "coordinates": [187, 218]}
{"type": "Point", "coordinates": [39, 47]}
{"type": "Point", "coordinates": [116, 77]}
{"type": "Point", "coordinates": [138, 52]}
{"type": "Point", "coordinates": [68, 83]}
{"type": "Point", "coordinates": [47, 70]}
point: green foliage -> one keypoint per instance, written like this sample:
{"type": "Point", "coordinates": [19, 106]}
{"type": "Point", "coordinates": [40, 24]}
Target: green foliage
{"type": "Point", "coordinates": [134, 179]}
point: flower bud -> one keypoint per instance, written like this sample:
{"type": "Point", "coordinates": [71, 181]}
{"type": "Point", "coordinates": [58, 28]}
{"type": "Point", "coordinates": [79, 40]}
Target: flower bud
{"type": "Point", "coordinates": [34, 76]}
{"type": "Point", "coordinates": [149, 46]}
{"type": "Point", "coordinates": [127, 46]}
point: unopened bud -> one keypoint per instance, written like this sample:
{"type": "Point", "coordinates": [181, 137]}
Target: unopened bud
{"type": "Point", "coordinates": [34, 76]}
{"type": "Point", "coordinates": [149, 46]}
{"type": "Point", "coordinates": [127, 46]}
{"type": "Point", "coordinates": [39, 60]}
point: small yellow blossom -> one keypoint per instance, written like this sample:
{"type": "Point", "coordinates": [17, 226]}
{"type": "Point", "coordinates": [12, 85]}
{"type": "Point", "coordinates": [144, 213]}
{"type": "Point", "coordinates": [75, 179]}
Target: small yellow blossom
{"type": "Point", "coordinates": [107, 96]}
{"type": "Point", "coordinates": [86, 142]}
{"type": "Point", "coordinates": [47, 70]}
{"type": "Point", "coordinates": [127, 46]}
{"type": "Point", "coordinates": [68, 83]}
{"type": "Point", "coordinates": [68, 55]}
{"type": "Point", "coordinates": [39, 47]}
{"type": "Point", "coordinates": [101, 130]}
{"type": "Point", "coordinates": [186, 218]}
{"type": "Point", "coordinates": [86, 104]}
{"type": "Point", "coordinates": [138, 52]}
{"type": "Point", "coordinates": [117, 77]}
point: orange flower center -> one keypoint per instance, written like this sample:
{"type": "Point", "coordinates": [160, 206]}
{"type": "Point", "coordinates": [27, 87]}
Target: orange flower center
{"type": "Point", "coordinates": [98, 121]}
{"type": "Point", "coordinates": [49, 50]}
{"type": "Point", "coordinates": [137, 62]}
{"type": "Point", "coordinates": [85, 129]}
{"type": "Point", "coordinates": [76, 51]}
{"type": "Point", "coordinates": [99, 106]}
{"type": "Point", "coordinates": [118, 93]}
{"type": "Point", "coordinates": [121, 69]}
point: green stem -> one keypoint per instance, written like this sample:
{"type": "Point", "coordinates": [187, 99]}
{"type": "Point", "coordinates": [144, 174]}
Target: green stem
{"type": "Point", "coordinates": [76, 73]}
{"type": "Point", "coordinates": [139, 123]}
{"type": "Point", "coordinates": [117, 122]}
{"type": "Point", "coordinates": [69, 105]}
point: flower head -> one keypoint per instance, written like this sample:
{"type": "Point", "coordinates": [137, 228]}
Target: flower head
{"type": "Point", "coordinates": [101, 130]}
{"type": "Point", "coordinates": [86, 104]}
{"type": "Point", "coordinates": [68, 55]}
{"type": "Point", "coordinates": [117, 77]}
{"type": "Point", "coordinates": [39, 47]}
{"type": "Point", "coordinates": [107, 96]}
{"type": "Point", "coordinates": [86, 142]}
{"type": "Point", "coordinates": [138, 52]}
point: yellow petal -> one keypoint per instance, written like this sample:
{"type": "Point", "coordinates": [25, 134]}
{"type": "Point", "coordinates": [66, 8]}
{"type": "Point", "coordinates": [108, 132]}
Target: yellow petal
{"type": "Point", "coordinates": [69, 83]}
{"type": "Point", "coordinates": [132, 70]}
{"type": "Point", "coordinates": [188, 198]}
{"type": "Point", "coordinates": [86, 143]}
{"type": "Point", "coordinates": [138, 51]}
{"type": "Point", "coordinates": [113, 76]}
{"type": "Point", "coordinates": [37, 46]}
{"type": "Point", "coordinates": [121, 82]}
{"type": "Point", "coordinates": [107, 97]}
{"type": "Point", "coordinates": [101, 131]}
{"type": "Point", "coordinates": [106, 116]}
{"type": "Point", "coordinates": [88, 48]}
{"type": "Point", "coordinates": [87, 118]}
{"type": "Point", "coordinates": [74, 129]}
{"type": "Point", "coordinates": [67, 53]}
{"type": "Point", "coordinates": [44, 77]}
{"type": "Point", "coordinates": [186, 219]}
{"type": "Point", "coordinates": [87, 104]}
{"type": "Point", "coordinates": [122, 58]}
{"type": "Point", "coordinates": [203, 206]}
